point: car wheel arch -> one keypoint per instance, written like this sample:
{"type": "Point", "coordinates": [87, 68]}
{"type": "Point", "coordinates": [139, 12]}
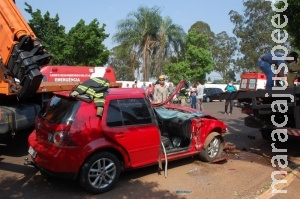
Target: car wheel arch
{"type": "Point", "coordinates": [121, 156]}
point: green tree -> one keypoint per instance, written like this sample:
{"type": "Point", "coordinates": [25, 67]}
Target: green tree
{"type": "Point", "coordinates": [230, 75]}
{"type": "Point", "coordinates": [123, 73]}
{"type": "Point", "coordinates": [203, 28]}
{"type": "Point", "coordinates": [49, 31]}
{"type": "Point", "coordinates": [125, 64]}
{"type": "Point", "coordinates": [170, 41]}
{"type": "Point", "coordinates": [223, 50]}
{"type": "Point", "coordinates": [292, 12]}
{"type": "Point", "coordinates": [82, 45]}
{"type": "Point", "coordinates": [196, 62]}
{"type": "Point", "coordinates": [85, 45]}
{"type": "Point", "coordinates": [138, 33]}
{"type": "Point", "coordinates": [149, 37]}
{"type": "Point", "coordinates": [253, 29]}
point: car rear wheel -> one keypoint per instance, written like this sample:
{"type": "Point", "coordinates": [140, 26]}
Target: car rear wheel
{"type": "Point", "coordinates": [207, 99]}
{"type": "Point", "coordinates": [213, 149]}
{"type": "Point", "coordinates": [100, 173]}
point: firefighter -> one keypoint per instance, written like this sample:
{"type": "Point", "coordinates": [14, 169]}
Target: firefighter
{"type": "Point", "coordinates": [183, 95]}
{"type": "Point", "coordinates": [95, 88]}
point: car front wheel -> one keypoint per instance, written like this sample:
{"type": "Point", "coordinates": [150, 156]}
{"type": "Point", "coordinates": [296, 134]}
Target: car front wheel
{"type": "Point", "coordinates": [100, 173]}
{"type": "Point", "coordinates": [213, 150]}
{"type": "Point", "coordinates": [207, 99]}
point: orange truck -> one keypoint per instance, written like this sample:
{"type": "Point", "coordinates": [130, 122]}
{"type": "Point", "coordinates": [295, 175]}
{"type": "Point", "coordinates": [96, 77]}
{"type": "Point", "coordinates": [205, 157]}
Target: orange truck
{"type": "Point", "coordinates": [22, 71]}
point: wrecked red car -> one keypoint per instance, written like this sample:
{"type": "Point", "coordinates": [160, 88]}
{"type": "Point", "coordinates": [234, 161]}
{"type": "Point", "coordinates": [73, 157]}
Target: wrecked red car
{"type": "Point", "coordinates": [70, 141]}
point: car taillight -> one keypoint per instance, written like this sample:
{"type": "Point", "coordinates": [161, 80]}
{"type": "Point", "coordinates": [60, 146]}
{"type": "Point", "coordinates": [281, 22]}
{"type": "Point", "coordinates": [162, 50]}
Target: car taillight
{"type": "Point", "coordinates": [61, 139]}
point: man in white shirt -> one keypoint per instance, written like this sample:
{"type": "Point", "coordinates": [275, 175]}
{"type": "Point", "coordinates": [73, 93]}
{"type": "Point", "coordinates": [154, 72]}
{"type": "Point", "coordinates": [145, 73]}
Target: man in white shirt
{"type": "Point", "coordinates": [200, 91]}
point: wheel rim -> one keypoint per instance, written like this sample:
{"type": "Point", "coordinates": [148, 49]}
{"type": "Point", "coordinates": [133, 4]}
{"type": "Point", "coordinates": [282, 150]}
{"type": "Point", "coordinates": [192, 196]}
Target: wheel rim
{"type": "Point", "coordinates": [213, 148]}
{"type": "Point", "coordinates": [102, 173]}
{"type": "Point", "coordinates": [207, 99]}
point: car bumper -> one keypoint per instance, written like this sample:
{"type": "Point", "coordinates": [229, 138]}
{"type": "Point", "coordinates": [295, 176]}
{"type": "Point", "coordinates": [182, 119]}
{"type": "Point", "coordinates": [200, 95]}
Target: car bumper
{"type": "Point", "coordinates": [55, 161]}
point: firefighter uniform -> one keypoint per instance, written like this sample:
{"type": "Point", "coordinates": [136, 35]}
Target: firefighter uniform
{"type": "Point", "coordinates": [95, 88]}
{"type": "Point", "coordinates": [183, 95]}
{"type": "Point", "coordinates": [294, 69]}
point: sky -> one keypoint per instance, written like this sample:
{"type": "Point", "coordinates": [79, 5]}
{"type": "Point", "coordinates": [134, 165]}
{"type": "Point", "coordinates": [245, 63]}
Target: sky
{"type": "Point", "coordinates": [182, 12]}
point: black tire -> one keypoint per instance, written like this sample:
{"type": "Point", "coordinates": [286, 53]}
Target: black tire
{"type": "Point", "coordinates": [213, 150]}
{"type": "Point", "coordinates": [100, 173]}
{"type": "Point", "coordinates": [207, 99]}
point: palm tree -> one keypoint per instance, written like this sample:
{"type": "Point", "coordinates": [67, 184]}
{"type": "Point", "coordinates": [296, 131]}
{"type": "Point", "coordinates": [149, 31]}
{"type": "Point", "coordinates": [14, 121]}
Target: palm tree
{"type": "Point", "coordinates": [150, 37]}
{"type": "Point", "coordinates": [170, 42]}
{"type": "Point", "coordinates": [138, 32]}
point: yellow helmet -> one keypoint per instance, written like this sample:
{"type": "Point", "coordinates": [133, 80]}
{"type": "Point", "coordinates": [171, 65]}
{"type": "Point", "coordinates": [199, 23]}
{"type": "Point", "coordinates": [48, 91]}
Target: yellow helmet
{"type": "Point", "coordinates": [161, 77]}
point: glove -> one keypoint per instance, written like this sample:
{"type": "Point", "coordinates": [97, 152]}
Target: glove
{"type": "Point", "coordinates": [74, 93]}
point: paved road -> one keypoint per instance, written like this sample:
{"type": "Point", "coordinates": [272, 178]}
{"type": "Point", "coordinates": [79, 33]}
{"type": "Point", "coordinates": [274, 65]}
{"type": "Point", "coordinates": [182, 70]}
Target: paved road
{"type": "Point", "coordinates": [247, 173]}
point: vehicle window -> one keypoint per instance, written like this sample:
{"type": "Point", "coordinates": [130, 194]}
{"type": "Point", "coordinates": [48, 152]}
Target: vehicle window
{"type": "Point", "coordinates": [216, 91]}
{"type": "Point", "coordinates": [60, 110]}
{"type": "Point", "coordinates": [114, 117]}
{"type": "Point", "coordinates": [128, 112]}
{"type": "Point", "coordinates": [219, 90]}
{"type": "Point", "coordinates": [244, 83]}
{"type": "Point", "coordinates": [252, 84]}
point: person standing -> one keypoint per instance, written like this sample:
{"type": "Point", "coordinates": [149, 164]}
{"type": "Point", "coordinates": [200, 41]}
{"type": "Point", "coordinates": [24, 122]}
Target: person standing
{"type": "Point", "coordinates": [200, 93]}
{"type": "Point", "coordinates": [229, 88]}
{"type": "Point", "coordinates": [160, 90]}
{"type": "Point", "coordinates": [265, 63]}
{"type": "Point", "coordinates": [149, 91]}
{"type": "Point", "coordinates": [193, 94]}
{"type": "Point", "coordinates": [171, 88]}
{"type": "Point", "coordinates": [134, 85]}
{"type": "Point", "coordinates": [144, 86]}
{"type": "Point", "coordinates": [183, 95]}
{"type": "Point", "coordinates": [294, 68]}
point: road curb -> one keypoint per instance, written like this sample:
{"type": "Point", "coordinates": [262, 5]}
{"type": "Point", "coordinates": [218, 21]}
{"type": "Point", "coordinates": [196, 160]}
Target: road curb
{"type": "Point", "coordinates": [289, 179]}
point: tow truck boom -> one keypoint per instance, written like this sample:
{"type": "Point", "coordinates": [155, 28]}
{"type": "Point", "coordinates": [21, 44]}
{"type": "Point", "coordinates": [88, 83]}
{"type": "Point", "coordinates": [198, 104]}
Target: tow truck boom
{"type": "Point", "coordinates": [21, 53]}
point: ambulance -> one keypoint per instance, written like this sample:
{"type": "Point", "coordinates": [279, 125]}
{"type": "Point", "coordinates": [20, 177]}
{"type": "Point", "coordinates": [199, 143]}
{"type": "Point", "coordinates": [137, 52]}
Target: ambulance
{"type": "Point", "coordinates": [251, 81]}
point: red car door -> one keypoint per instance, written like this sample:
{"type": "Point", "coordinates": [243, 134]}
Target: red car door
{"type": "Point", "coordinates": [131, 124]}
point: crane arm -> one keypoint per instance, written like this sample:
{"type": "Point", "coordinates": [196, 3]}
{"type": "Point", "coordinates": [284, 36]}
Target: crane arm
{"type": "Point", "coordinates": [21, 52]}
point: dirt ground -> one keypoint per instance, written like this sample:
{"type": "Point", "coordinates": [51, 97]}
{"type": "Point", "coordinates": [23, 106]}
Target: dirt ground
{"type": "Point", "coordinates": [246, 173]}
